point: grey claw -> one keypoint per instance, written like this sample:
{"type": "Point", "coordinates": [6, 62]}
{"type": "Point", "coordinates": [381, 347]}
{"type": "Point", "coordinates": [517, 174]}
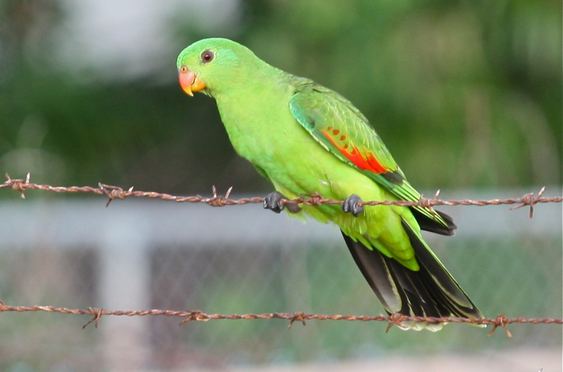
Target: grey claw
{"type": "Point", "coordinates": [293, 207]}
{"type": "Point", "coordinates": [273, 202]}
{"type": "Point", "coordinates": [352, 204]}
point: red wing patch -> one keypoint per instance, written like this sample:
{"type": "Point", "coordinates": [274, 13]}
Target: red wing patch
{"type": "Point", "coordinates": [352, 153]}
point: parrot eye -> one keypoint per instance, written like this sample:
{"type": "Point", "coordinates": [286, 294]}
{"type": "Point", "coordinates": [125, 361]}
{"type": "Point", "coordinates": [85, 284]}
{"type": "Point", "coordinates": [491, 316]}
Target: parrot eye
{"type": "Point", "coordinates": [184, 69]}
{"type": "Point", "coordinates": [207, 56]}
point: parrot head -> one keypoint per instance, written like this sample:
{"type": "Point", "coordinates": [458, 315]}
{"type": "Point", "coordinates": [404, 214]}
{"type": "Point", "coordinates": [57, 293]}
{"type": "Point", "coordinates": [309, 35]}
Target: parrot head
{"type": "Point", "coordinates": [211, 65]}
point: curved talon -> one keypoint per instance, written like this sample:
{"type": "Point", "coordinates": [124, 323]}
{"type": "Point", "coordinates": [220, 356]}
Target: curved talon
{"type": "Point", "coordinates": [292, 207]}
{"type": "Point", "coordinates": [273, 202]}
{"type": "Point", "coordinates": [352, 204]}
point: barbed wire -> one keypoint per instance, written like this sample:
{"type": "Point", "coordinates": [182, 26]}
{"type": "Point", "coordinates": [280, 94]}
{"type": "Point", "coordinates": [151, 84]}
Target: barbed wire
{"type": "Point", "coordinates": [500, 321]}
{"type": "Point", "coordinates": [216, 200]}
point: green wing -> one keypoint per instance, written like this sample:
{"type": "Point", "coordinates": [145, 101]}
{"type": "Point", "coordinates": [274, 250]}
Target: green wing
{"type": "Point", "coordinates": [344, 132]}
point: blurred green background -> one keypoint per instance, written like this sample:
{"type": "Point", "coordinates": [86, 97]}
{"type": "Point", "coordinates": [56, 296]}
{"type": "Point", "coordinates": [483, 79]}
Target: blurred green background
{"type": "Point", "coordinates": [464, 93]}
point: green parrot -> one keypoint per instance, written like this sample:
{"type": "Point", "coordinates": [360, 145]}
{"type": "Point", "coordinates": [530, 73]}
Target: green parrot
{"type": "Point", "coordinates": [307, 139]}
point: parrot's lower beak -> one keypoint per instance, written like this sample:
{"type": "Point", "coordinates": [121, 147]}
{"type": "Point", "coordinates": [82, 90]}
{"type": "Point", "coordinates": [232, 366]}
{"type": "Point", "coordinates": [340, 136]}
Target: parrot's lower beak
{"type": "Point", "coordinates": [190, 82]}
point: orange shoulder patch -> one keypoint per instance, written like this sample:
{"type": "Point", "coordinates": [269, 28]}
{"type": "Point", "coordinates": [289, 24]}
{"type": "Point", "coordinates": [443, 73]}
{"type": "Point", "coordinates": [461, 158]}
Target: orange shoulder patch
{"type": "Point", "coordinates": [366, 161]}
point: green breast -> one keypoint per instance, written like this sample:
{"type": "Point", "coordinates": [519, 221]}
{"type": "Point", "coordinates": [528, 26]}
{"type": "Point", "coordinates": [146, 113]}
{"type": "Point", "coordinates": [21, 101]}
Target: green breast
{"type": "Point", "coordinates": [260, 126]}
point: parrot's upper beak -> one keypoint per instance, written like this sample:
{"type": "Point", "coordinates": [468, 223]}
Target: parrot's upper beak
{"type": "Point", "coordinates": [189, 81]}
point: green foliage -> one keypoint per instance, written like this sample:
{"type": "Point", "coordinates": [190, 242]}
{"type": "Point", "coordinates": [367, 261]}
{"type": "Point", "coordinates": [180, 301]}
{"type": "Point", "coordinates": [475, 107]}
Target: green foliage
{"type": "Point", "coordinates": [463, 93]}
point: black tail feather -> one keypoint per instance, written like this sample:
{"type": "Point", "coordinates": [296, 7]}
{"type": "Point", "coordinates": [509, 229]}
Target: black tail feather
{"type": "Point", "coordinates": [430, 291]}
{"type": "Point", "coordinates": [428, 224]}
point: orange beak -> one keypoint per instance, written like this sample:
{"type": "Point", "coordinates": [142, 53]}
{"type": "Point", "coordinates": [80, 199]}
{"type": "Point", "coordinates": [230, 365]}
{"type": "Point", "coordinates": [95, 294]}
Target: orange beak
{"type": "Point", "coordinates": [189, 81]}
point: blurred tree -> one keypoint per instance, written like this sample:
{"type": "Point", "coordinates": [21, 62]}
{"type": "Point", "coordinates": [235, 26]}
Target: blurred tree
{"type": "Point", "coordinates": [464, 93]}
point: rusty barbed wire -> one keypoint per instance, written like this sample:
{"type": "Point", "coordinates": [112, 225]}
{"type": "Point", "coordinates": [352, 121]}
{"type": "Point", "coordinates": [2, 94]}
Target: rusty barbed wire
{"type": "Point", "coordinates": [500, 321]}
{"type": "Point", "coordinates": [217, 200]}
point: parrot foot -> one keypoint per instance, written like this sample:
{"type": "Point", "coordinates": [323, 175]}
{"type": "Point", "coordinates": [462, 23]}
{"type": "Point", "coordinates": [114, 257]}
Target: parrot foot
{"type": "Point", "coordinates": [352, 205]}
{"type": "Point", "coordinates": [274, 202]}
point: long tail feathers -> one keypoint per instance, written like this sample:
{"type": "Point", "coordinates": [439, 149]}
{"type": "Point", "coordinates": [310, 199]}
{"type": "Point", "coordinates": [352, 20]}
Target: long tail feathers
{"type": "Point", "coordinates": [431, 291]}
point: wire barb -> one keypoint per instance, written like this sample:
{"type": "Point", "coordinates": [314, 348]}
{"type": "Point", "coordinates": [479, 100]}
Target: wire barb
{"type": "Point", "coordinates": [503, 322]}
{"type": "Point", "coordinates": [17, 185]}
{"type": "Point", "coordinates": [217, 200]}
{"type": "Point", "coordinates": [530, 200]}
{"type": "Point", "coordinates": [114, 192]}
{"type": "Point", "coordinates": [195, 315]}
{"type": "Point", "coordinates": [297, 317]}
{"type": "Point", "coordinates": [394, 320]}
{"type": "Point", "coordinates": [97, 313]}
